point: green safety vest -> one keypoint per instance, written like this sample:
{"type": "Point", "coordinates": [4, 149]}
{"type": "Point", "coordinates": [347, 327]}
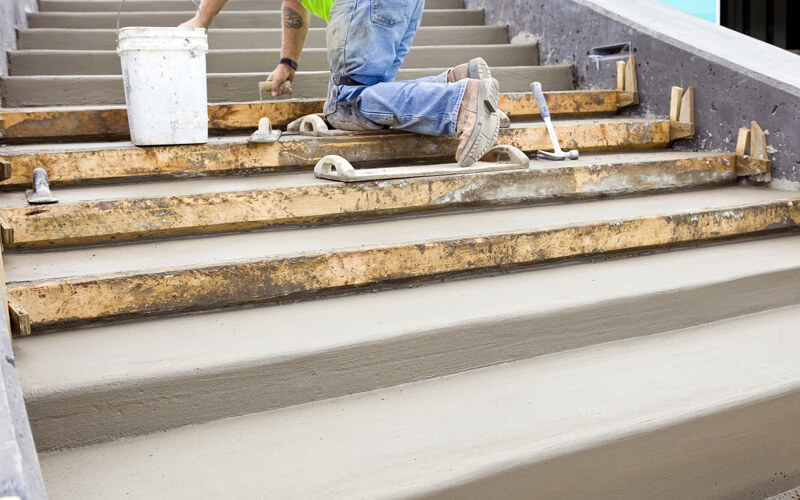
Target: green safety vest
{"type": "Point", "coordinates": [320, 8]}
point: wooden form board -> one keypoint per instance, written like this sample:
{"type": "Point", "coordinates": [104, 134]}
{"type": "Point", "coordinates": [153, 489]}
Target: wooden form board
{"type": "Point", "coordinates": [60, 303]}
{"type": "Point", "coordinates": [236, 156]}
{"type": "Point", "coordinates": [129, 219]}
{"type": "Point", "coordinates": [29, 124]}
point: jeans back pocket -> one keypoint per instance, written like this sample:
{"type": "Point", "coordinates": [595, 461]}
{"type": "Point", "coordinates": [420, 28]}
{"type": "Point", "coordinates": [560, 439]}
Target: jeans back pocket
{"type": "Point", "coordinates": [388, 13]}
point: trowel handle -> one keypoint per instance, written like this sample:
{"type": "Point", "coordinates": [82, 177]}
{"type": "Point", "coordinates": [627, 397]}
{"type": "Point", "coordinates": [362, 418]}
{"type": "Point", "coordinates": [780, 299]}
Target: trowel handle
{"type": "Point", "coordinates": [40, 182]}
{"type": "Point", "coordinates": [538, 94]}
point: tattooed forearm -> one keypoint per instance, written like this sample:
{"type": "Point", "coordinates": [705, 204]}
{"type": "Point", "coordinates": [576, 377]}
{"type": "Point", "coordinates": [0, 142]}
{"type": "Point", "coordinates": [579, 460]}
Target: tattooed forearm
{"type": "Point", "coordinates": [291, 19]}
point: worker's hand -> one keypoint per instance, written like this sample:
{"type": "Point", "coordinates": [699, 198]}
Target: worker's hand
{"type": "Point", "coordinates": [195, 22]}
{"type": "Point", "coordinates": [280, 80]}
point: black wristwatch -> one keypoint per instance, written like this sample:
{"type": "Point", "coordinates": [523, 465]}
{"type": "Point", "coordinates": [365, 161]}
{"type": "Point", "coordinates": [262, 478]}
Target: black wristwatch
{"type": "Point", "coordinates": [289, 62]}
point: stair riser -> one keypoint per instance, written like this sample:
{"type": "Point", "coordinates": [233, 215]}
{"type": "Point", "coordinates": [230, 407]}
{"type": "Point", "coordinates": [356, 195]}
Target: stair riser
{"type": "Point", "coordinates": [63, 303]}
{"type": "Point", "coordinates": [248, 19]}
{"type": "Point", "coordinates": [108, 221]}
{"type": "Point", "coordinates": [222, 39]}
{"type": "Point", "coordinates": [303, 153]}
{"type": "Point", "coordinates": [56, 62]}
{"type": "Point", "coordinates": [748, 451]}
{"type": "Point", "coordinates": [79, 123]}
{"type": "Point", "coordinates": [186, 5]}
{"type": "Point", "coordinates": [59, 420]}
{"type": "Point", "coordinates": [24, 91]}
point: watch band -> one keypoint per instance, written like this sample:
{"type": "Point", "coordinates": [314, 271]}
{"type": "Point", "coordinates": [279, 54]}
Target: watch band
{"type": "Point", "coordinates": [289, 62]}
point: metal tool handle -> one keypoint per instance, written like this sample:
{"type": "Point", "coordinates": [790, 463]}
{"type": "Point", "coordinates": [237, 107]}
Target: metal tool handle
{"type": "Point", "coordinates": [538, 94]}
{"type": "Point", "coordinates": [119, 14]}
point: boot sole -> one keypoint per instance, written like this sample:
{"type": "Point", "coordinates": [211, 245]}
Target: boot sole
{"type": "Point", "coordinates": [487, 128]}
{"type": "Point", "coordinates": [478, 69]}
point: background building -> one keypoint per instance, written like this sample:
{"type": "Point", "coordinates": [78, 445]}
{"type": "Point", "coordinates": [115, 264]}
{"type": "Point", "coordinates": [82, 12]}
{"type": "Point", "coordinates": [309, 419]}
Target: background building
{"type": "Point", "coordinates": [766, 20]}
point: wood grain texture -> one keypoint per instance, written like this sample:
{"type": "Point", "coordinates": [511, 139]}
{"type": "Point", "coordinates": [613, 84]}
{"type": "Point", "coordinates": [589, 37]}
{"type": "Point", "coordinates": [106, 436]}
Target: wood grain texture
{"type": "Point", "coordinates": [116, 220]}
{"type": "Point", "coordinates": [59, 303]}
{"type": "Point", "coordinates": [236, 156]}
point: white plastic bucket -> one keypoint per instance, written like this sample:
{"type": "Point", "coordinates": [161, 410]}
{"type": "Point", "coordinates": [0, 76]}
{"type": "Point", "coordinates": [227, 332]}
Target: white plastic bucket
{"type": "Point", "coordinates": [164, 73]}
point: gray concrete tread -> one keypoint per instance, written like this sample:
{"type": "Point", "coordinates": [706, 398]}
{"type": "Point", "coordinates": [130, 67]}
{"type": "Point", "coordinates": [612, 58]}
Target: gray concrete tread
{"type": "Point", "coordinates": [183, 187]}
{"type": "Point", "coordinates": [38, 91]}
{"type": "Point", "coordinates": [227, 38]}
{"type": "Point", "coordinates": [465, 431]}
{"type": "Point", "coordinates": [126, 354]}
{"type": "Point", "coordinates": [172, 254]}
{"type": "Point", "coordinates": [107, 62]}
{"type": "Point", "coordinates": [181, 5]}
{"type": "Point", "coordinates": [225, 19]}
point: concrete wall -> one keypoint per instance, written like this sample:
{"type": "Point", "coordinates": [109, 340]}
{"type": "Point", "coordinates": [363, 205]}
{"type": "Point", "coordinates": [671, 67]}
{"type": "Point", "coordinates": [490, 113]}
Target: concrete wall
{"type": "Point", "coordinates": [20, 474]}
{"type": "Point", "coordinates": [12, 16]}
{"type": "Point", "coordinates": [737, 78]}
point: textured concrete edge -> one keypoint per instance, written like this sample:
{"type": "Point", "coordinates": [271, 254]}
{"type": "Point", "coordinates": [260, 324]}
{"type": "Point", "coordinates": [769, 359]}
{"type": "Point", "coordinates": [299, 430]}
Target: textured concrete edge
{"type": "Point", "coordinates": [410, 355]}
{"type": "Point", "coordinates": [20, 474]}
{"type": "Point", "coordinates": [728, 96]}
{"type": "Point", "coordinates": [698, 451]}
{"type": "Point", "coordinates": [12, 16]}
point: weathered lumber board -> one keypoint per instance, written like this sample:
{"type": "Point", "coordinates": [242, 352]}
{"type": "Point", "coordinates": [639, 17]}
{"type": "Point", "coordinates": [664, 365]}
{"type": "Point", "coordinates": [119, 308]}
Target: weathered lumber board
{"type": "Point", "coordinates": [305, 200]}
{"type": "Point", "coordinates": [104, 162]}
{"type": "Point", "coordinates": [59, 302]}
{"type": "Point", "coordinates": [63, 123]}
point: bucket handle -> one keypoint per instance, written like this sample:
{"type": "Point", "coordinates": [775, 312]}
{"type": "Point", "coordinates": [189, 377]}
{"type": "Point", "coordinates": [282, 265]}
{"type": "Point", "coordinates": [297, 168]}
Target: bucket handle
{"type": "Point", "coordinates": [119, 14]}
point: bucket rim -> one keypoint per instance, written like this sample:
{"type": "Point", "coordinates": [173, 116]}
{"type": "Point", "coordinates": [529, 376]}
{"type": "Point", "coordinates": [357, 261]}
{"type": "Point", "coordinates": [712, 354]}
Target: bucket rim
{"type": "Point", "coordinates": [161, 32]}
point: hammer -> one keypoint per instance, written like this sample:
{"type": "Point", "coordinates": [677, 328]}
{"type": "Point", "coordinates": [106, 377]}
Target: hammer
{"type": "Point", "coordinates": [536, 88]}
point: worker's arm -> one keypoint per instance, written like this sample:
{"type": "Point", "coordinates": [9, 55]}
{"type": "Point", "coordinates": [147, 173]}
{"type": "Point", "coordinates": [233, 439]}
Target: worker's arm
{"type": "Point", "coordinates": [206, 13]}
{"type": "Point", "coordinates": [295, 28]}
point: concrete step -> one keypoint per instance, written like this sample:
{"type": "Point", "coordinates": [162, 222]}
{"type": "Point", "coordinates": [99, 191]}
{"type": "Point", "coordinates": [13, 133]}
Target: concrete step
{"type": "Point", "coordinates": [84, 123]}
{"type": "Point", "coordinates": [344, 345]}
{"type": "Point", "coordinates": [86, 285]}
{"type": "Point", "coordinates": [92, 90]}
{"type": "Point", "coordinates": [225, 19]}
{"type": "Point", "coordinates": [104, 214]}
{"type": "Point", "coordinates": [107, 62]}
{"type": "Point", "coordinates": [707, 412]}
{"type": "Point", "coordinates": [231, 39]}
{"type": "Point", "coordinates": [187, 5]}
{"type": "Point", "coordinates": [111, 162]}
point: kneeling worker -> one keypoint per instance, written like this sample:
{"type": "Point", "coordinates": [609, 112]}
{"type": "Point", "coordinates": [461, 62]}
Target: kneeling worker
{"type": "Point", "coordinates": [367, 43]}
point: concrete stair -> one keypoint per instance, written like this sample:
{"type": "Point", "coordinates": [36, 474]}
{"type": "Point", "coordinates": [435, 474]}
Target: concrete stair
{"type": "Point", "coordinates": [67, 55]}
{"type": "Point", "coordinates": [213, 321]}
{"type": "Point", "coordinates": [676, 415]}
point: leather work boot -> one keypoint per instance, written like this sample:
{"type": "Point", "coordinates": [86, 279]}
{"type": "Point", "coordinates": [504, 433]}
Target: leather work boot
{"type": "Point", "coordinates": [476, 69]}
{"type": "Point", "coordinates": [478, 121]}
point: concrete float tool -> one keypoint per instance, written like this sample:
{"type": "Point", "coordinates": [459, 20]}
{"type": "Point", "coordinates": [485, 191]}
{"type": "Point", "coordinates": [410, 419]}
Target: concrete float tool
{"type": "Point", "coordinates": [499, 158]}
{"type": "Point", "coordinates": [558, 155]}
{"type": "Point", "coordinates": [265, 133]}
{"type": "Point", "coordinates": [40, 194]}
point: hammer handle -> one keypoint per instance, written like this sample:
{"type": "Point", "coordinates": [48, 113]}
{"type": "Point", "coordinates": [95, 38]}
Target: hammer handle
{"type": "Point", "coordinates": [538, 94]}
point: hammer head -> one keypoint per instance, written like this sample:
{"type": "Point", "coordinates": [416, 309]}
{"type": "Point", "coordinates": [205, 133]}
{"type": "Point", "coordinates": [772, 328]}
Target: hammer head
{"type": "Point", "coordinates": [569, 155]}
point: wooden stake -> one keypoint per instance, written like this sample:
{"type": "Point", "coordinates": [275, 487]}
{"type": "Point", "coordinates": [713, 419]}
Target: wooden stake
{"type": "Point", "coordinates": [758, 142]}
{"type": "Point", "coordinates": [743, 143]}
{"type": "Point", "coordinates": [621, 76]}
{"type": "Point", "coordinates": [5, 169]}
{"type": "Point", "coordinates": [19, 319]}
{"type": "Point", "coordinates": [687, 106]}
{"type": "Point", "coordinates": [631, 80]}
{"type": "Point", "coordinates": [675, 104]}
{"type": "Point", "coordinates": [4, 295]}
{"type": "Point", "coordinates": [6, 232]}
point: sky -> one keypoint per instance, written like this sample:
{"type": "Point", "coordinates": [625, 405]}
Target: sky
{"type": "Point", "coordinates": [707, 9]}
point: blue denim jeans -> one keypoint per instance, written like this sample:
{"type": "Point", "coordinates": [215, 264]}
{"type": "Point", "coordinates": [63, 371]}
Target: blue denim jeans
{"type": "Point", "coordinates": [367, 43]}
